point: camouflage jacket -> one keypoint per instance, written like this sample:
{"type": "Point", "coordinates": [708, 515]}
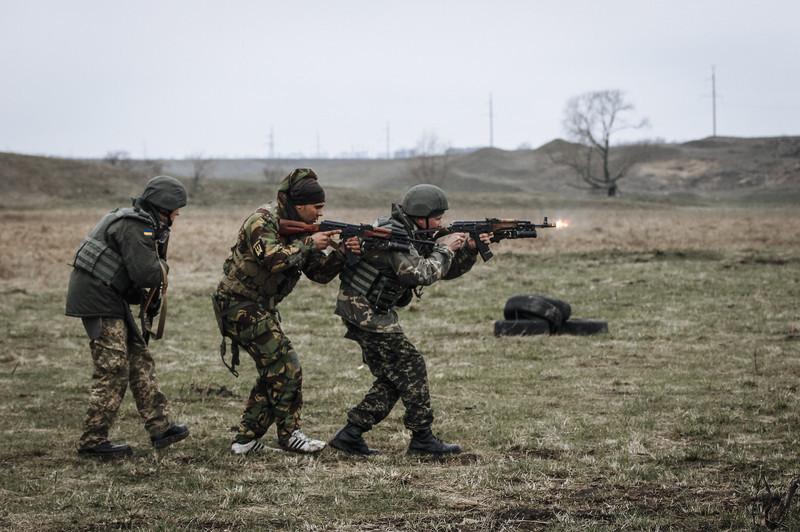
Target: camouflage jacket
{"type": "Point", "coordinates": [264, 266]}
{"type": "Point", "coordinates": [409, 269]}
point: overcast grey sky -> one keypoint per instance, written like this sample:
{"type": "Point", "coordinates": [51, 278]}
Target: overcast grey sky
{"type": "Point", "coordinates": [170, 78]}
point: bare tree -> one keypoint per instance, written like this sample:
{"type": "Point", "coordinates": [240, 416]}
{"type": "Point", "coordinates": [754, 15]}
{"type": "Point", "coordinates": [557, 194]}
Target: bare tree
{"type": "Point", "coordinates": [119, 158]}
{"type": "Point", "coordinates": [201, 167]}
{"type": "Point", "coordinates": [591, 119]}
{"type": "Point", "coordinates": [430, 161]}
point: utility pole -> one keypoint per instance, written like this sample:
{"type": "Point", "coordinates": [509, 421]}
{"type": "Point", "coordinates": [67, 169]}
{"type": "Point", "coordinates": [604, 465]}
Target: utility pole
{"type": "Point", "coordinates": [491, 122]}
{"type": "Point", "coordinates": [319, 153]}
{"type": "Point", "coordinates": [714, 100]}
{"type": "Point", "coordinates": [271, 142]}
{"type": "Point", "coordinates": [388, 150]}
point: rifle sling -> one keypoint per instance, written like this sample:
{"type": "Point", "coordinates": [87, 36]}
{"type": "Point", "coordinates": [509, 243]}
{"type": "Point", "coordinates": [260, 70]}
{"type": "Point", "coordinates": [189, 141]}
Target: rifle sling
{"type": "Point", "coordinates": [162, 314]}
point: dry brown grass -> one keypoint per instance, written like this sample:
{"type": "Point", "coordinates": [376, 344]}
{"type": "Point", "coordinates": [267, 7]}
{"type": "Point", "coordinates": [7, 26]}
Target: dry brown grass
{"type": "Point", "coordinates": [662, 424]}
{"type": "Point", "coordinates": [36, 246]}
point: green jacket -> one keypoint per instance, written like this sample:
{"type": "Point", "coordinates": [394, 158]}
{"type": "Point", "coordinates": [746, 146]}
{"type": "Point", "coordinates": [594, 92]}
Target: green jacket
{"type": "Point", "coordinates": [134, 240]}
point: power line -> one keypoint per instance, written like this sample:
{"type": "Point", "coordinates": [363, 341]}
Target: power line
{"type": "Point", "coordinates": [271, 142]}
{"type": "Point", "coordinates": [714, 100]}
{"type": "Point", "coordinates": [491, 122]}
{"type": "Point", "coordinates": [388, 151]}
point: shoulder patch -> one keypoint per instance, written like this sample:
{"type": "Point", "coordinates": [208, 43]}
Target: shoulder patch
{"type": "Point", "coordinates": [147, 232]}
{"type": "Point", "coordinates": [258, 248]}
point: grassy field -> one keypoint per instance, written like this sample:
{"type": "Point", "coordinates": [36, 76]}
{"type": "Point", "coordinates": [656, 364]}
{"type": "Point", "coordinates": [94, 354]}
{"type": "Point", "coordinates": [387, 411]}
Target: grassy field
{"type": "Point", "coordinates": [667, 422]}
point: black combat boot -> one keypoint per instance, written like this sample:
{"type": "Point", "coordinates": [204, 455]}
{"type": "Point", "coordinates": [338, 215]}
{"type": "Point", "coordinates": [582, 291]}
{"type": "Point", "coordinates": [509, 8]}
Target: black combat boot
{"type": "Point", "coordinates": [107, 450]}
{"type": "Point", "coordinates": [349, 440]}
{"type": "Point", "coordinates": [424, 442]}
{"type": "Point", "coordinates": [173, 434]}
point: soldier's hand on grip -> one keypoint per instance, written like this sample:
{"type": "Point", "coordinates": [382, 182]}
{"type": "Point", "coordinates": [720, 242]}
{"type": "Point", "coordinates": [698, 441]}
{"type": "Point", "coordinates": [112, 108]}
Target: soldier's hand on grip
{"type": "Point", "coordinates": [454, 241]}
{"type": "Point", "coordinates": [323, 239]}
{"type": "Point", "coordinates": [352, 244]}
{"type": "Point", "coordinates": [486, 238]}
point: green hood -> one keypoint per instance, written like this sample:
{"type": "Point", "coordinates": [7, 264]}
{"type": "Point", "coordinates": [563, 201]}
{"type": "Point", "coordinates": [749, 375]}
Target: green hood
{"type": "Point", "coordinates": [285, 208]}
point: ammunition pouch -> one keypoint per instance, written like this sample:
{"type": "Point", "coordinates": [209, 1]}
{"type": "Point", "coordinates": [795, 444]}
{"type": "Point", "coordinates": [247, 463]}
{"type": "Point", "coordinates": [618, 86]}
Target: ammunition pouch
{"type": "Point", "coordinates": [98, 259]}
{"type": "Point", "coordinates": [380, 291]}
{"type": "Point", "coordinates": [406, 298]}
{"type": "Point", "coordinates": [216, 303]}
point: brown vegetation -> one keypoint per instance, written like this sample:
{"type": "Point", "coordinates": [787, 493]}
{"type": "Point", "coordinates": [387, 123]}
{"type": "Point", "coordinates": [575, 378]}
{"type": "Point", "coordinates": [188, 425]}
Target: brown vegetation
{"type": "Point", "coordinates": [202, 236]}
{"type": "Point", "coordinates": [677, 419]}
{"type": "Point", "coordinates": [768, 168]}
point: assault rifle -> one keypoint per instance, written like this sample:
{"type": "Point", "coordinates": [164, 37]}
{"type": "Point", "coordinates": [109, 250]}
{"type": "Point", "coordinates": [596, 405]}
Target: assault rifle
{"type": "Point", "coordinates": [154, 301]}
{"type": "Point", "coordinates": [371, 237]}
{"type": "Point", "coordinates": [501, 229]}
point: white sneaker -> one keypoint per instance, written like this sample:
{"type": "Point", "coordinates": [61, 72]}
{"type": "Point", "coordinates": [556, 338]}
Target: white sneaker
{"type": "Point", "coordinates": [251, 447]}
{"type": "Point", "coordinates": [300, 443]}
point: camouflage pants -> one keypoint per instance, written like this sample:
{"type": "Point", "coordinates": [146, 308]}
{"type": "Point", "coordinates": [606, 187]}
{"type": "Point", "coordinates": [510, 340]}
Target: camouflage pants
{"type": "Point", "coordinates": [121, 358]}
{"type": "Point", "coordinates": [277, 395]}
{"type": "Point", "coordinates": [400, 373]}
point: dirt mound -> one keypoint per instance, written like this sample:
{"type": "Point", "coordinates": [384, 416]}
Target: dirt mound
{"type": "Point", "coordinates": [711, 167]}
{"type": "Point", "coordinates": [29, 179]}
{"type": "Point", "coordinates": [555, 146]}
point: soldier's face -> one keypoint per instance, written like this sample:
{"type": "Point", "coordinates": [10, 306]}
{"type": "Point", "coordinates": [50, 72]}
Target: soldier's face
{"type": "Point", "coordinates": [310, 213]}
{"type": "Point", "coordinates": [169, 218]}
{"type": "Point", "coordinates": [432, 222]}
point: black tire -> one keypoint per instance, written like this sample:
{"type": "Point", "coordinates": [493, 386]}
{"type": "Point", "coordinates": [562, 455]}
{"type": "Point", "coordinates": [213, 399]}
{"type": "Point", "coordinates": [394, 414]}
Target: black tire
{"type": "Point", "coordinates": [521, 327]}
{"type": "Point", "coordinates": [584, 327]}
{"type": "Point", "coordinates": [530, 306]}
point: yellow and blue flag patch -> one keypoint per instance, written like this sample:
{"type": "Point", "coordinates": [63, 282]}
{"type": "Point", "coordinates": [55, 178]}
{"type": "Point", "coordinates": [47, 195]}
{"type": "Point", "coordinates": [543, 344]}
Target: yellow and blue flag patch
{"type": "Point", "coordinates": [148, 232]}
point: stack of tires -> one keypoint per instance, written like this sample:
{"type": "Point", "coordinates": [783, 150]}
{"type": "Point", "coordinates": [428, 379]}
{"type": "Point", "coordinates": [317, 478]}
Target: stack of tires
{"type": "Point", "coordinates": [538, 314]}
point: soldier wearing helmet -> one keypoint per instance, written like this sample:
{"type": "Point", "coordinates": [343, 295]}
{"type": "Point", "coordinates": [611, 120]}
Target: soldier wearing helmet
{"type": "Point", "coordinates": [369, 295]}
{"type": "Point", "coordinates": [122, 257]}
{"type": "Point", "coordinates": [424, 201]}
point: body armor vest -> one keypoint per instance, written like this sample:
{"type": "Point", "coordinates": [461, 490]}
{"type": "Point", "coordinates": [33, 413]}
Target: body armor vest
{"type": "Point", "coordinates": [245, 276]}
{"type": "Point", "coordinates": [381, 289]}
{"type": "Point", "coordinates": [97, 258]}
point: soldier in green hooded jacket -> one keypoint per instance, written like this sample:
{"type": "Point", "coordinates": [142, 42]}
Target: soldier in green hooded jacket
{"type": "Point", "coordinates": [369, 294]}
{"type": "Point", "coordinates": [262, 269]}
{"type": "Point", "coordinates": [124, 255]}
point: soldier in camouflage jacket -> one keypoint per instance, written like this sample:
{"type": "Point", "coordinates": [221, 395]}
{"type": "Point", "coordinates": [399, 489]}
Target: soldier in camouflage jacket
{"type": "Point", "coordinates": [262, 269]}
{"type": "Point", "coordinates": [371, 320]}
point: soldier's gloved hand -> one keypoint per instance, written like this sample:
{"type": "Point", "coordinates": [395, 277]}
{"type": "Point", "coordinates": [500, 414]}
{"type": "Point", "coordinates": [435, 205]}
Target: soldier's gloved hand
{"type": "Point", "coordinates": [147, 323]}
{"type": "Point", "coordinates": [453, 241]}
{"type": "Point", "coordinates": [323, 239]}
{"type": "Point", "coordinates": [352, 244]}
{"type": "Point", "coordinates": [162, 237]}
{"type": "Point", "coordinates": [155, 306]}
{"type": "Point", "coordinates": [486, 238]}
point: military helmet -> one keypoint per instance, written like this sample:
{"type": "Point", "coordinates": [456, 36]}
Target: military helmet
{"type": "Point", "coordinates": [165, 192]}
{"type": "Point", "coordinates": [424, 201]}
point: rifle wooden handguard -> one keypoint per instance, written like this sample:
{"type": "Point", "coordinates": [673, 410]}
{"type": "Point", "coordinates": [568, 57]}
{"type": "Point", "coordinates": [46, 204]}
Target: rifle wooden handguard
{"type": "Point", "coordinates": [292, 227]}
